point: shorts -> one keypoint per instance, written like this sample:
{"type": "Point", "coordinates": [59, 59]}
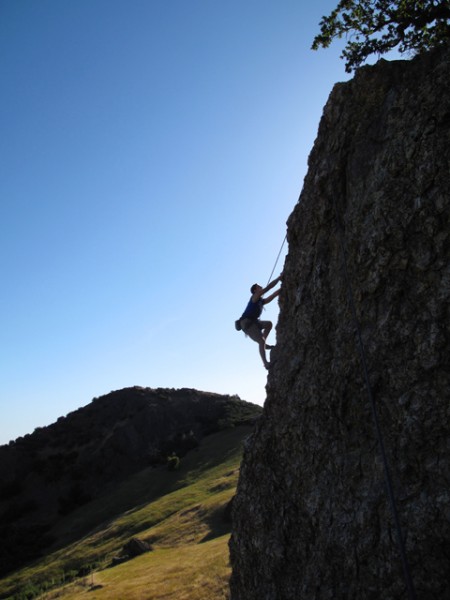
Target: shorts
{"type": "Point", "coordinates": [254, 328]}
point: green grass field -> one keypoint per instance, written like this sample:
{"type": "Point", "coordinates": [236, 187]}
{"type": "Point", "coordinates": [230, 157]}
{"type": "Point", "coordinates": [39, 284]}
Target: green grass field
{"type": "Point", "coordinates": [180, 513]}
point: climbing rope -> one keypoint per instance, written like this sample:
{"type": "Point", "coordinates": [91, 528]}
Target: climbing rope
{"type": "Point", "coordinates": [405, 565]}
{"type": "Point", "coordinates": [274, 266]}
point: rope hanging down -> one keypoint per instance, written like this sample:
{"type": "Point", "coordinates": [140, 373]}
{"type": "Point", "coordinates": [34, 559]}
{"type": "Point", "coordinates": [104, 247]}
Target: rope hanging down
{"type": "Point", "coordinates": [405, 565]}
{"type": "Point", "coordinates": [279, 253]}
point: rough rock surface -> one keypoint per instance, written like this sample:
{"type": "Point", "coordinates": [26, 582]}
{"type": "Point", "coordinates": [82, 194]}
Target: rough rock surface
{"type": "Point", "coordinates": [311, 517]}
{"type": "Point", "coordinates": [136, 547]}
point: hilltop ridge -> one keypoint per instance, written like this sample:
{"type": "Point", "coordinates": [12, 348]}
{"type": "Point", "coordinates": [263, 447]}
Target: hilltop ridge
{"type": "Point", "coordinates": [50, 473]}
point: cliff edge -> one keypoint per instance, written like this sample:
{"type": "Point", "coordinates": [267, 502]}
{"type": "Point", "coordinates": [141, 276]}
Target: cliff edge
{"type": "Point", "coordinates": [312, 518]}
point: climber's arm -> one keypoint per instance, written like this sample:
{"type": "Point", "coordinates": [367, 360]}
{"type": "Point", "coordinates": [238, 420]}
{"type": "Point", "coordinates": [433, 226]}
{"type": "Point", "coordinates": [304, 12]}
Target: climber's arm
{"type": "Point", "coordinates": [271, 297]}
{"type": "Point", "coordinates": [272, 284]}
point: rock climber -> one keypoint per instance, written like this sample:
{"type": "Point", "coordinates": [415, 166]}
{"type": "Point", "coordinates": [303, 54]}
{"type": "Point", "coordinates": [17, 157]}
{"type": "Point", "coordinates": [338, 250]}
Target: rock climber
{"type": "Point", "coordinates": [250, 323]}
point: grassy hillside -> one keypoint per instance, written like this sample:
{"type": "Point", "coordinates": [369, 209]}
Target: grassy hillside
{"type": "Point", "coordinates": [182, 514]}
{"type": "Point", "coordinates": [54, 471]}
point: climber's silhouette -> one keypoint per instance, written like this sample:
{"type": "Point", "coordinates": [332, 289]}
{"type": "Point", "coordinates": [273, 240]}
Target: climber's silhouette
{"type": "Point", "coordinates": [250, 323]}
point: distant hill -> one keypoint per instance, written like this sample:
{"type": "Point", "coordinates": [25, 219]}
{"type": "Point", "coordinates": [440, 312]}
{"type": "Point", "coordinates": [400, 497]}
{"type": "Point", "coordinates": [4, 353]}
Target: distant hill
{"type": "Point", "coordinates": [47, 475]}
{"type": "Point", "coordinates": [180, 518]}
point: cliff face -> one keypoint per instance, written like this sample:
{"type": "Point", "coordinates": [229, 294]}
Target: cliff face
{"type": "Point", "coordinates": [312, 518]}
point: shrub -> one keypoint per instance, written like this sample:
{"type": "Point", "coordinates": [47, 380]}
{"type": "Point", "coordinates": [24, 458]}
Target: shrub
{"type": "Point", "coordinates": [173, 462]}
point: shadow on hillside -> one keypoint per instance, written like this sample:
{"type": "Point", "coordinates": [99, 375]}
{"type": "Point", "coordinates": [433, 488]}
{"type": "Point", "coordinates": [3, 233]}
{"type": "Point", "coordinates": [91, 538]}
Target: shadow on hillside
{"type": "Point", "coordinates": [219, 522]}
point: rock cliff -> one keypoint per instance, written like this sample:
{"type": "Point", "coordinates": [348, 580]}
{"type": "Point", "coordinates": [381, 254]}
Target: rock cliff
{"type": "Point", "coordinates": [312, 519]}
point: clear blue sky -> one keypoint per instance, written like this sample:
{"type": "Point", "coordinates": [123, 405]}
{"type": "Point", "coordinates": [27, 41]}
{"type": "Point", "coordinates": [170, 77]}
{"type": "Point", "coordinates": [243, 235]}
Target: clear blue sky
{"type": "Point", "coordinates": [150, 154]}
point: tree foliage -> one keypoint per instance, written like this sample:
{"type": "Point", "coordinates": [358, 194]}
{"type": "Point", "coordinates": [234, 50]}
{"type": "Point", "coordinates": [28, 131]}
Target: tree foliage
{"type": "Point", "coordinates": [377, 26]}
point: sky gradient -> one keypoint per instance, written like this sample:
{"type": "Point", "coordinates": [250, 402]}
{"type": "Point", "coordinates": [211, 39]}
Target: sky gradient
{"type": "Point", "coordinates": [151, 153]}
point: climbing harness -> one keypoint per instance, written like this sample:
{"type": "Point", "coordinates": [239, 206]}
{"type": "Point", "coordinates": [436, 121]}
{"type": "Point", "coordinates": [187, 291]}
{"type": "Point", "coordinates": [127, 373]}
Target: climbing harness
{"type": "Point", "coordinates": [274, 266]}
{"type": "Point", "coordinates": [362, 352]}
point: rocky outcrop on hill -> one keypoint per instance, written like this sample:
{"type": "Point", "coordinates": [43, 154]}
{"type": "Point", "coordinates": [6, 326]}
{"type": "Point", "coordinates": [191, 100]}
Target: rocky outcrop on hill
{"type": "Point", "coordinates": [312, 520]}
{"type": "Point", "coordinates": [51, 472]}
